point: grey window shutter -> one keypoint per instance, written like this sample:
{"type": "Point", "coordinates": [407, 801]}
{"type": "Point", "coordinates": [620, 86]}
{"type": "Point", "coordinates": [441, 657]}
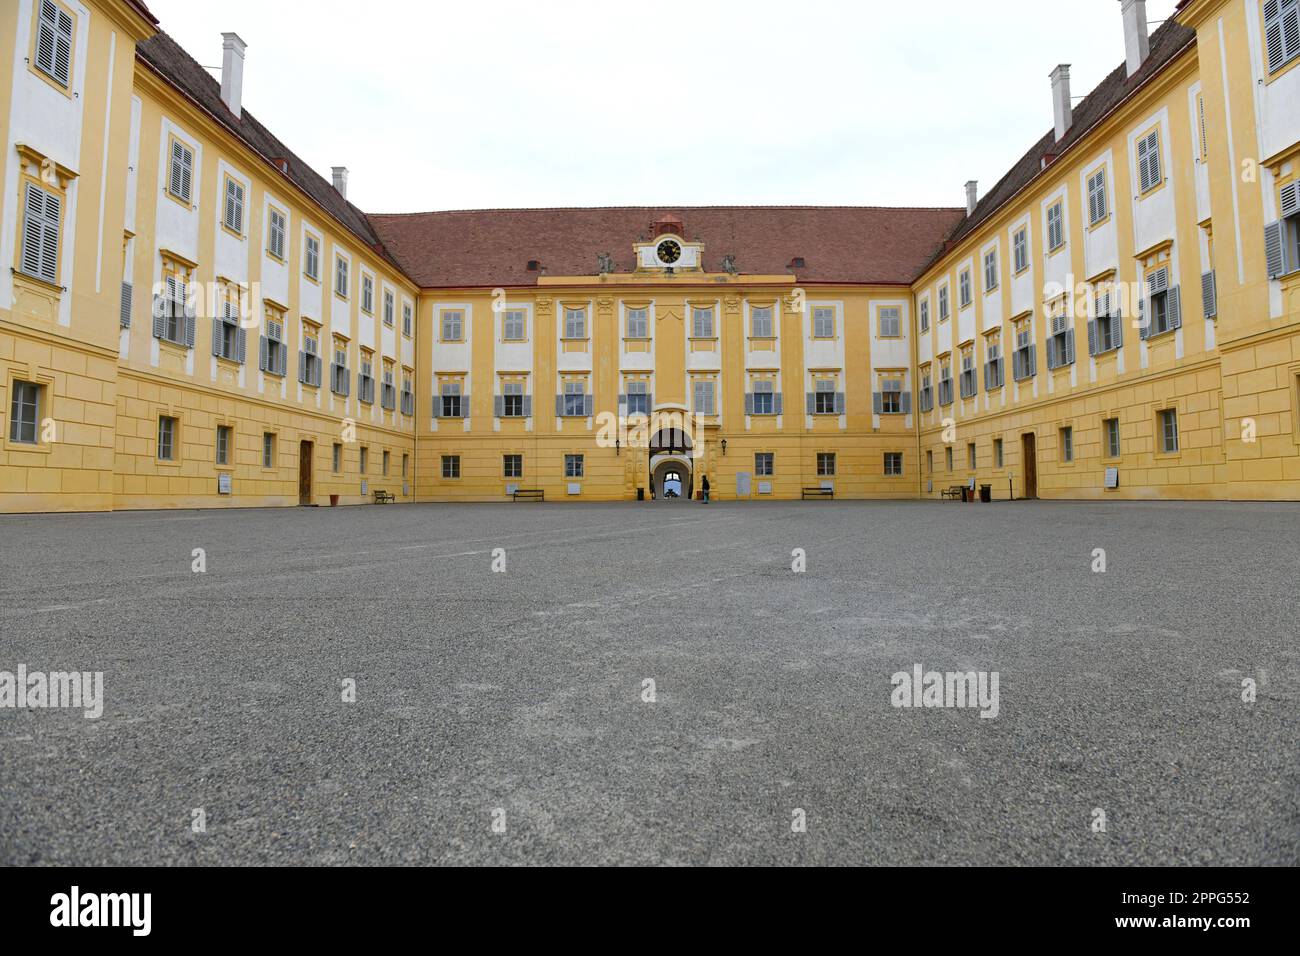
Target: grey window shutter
{"type": "Point", "coordinates": [877, 403]}
{"type": "Point", "coordinates": [839, 403]}
{"type": "Point", "coordinates": [334, 376]}
{"type": "Point", "coordinates": [1051, 352]}
{"type": "Point", "coordinates": [749, 403]}
{"type": "Point", "coordinates": [361, 393]}
{"type": "Point", "coordinates": [778, 403]}
{"type": "Point", "coordinates": [905, 402]}
{"type": "Point", "coordinates": [812, 403]}
{"type": "Point", "coordinates": [262, 353]}
{"type": "Point", "coordinates": [559, 405]}
{"type": "Point", "coordinates": [988, 375]}
{"type": "Point", "coordinates": [128, 296]}
{"type": "Point", "coordinates": [1175, 303]}
{"type": "Point", "coordinates": [1017, 360]}
{"type": "Point", "coordinates": [622, 402]}
{"type": "Point", "coordinates": [284, 359]}
{"type": "Point", "coordinates": [1290, 193]}
{"type": "Point", "coordinates": [1209, 295]}
{"type": "Point", "coordinates": [528, 406]}
{"type": "Point", "coordinates": [241, 342]}
{"type": "Point", "coordinates": [216, 336]}
{"type": "Point", "coordinates": [1143, 330]}
{"type": "Point", "coordinates": [1275, 249]}
{"type": "Point", "coordinates": [1069, 347]}
{"type": "Point", "coordinates": [1116, 328]}
{"type": "Point", "coordinates": [189, 329]}
{"type": "Point", "coordinates": [649, 401]}
{"type": "Point", "coordinates": [499, 406]}
{"type": "Point", "coordinates": [302, 367]}
{"type": "Point", "coordinates": [586, 405]}
{"type": "Point", "coordinates": [159, 316]}
{"type": "Point", "coordinates": [347, 387]}
{"type": "Point", "coordinates": [1092, 337]}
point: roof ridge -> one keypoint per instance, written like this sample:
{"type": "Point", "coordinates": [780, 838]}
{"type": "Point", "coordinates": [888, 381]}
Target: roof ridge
{"type": "Point", "coordinates": [669, 208]}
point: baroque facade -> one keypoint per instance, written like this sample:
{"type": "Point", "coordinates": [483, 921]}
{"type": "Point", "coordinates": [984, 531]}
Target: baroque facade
{"type": "Point", "coordinates": [195, 318]}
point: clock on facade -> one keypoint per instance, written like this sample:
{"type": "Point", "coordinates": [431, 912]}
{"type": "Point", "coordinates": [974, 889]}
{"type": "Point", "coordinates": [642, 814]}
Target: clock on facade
{"type": "Point", "coordinates": [668, 251]}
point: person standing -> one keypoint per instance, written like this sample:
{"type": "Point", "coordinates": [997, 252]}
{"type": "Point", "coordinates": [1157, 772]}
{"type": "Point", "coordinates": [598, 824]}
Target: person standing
{"type": "Point", "coordinates": [704, 487]}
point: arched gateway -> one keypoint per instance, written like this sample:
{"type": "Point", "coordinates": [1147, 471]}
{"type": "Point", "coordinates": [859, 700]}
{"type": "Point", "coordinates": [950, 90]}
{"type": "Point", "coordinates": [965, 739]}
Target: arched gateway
{"type": "Point", "coordinates": [671, 469]}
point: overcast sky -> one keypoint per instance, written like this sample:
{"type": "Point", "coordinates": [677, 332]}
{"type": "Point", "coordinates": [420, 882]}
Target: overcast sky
{"type": "Point", "coordinates": [499, 103]}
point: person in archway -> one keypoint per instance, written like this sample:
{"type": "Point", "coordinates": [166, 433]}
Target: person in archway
{"type": "Point", "coordinates": [704, 487]}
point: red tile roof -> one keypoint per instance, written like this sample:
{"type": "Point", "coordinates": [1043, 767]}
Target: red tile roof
{"type": "Point", "coordinates": [492, 247]}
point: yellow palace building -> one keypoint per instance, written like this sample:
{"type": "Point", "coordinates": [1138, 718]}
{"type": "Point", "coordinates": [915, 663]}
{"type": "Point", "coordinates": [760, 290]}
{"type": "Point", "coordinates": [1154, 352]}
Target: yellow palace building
{"type": "Point", "coordinates": [192, 317]}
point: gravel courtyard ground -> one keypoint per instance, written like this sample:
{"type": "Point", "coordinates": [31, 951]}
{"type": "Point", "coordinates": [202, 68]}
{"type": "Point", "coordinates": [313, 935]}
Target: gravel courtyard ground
{"type": "Point", "coordinates": [523, 691]}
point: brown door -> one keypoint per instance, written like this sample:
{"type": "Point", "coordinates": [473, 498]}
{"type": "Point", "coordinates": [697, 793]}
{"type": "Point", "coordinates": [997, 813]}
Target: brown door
{"type": "Point", "coordinates": [1031, 465]}
{"type": "Point", "coordinates": [304, 473]}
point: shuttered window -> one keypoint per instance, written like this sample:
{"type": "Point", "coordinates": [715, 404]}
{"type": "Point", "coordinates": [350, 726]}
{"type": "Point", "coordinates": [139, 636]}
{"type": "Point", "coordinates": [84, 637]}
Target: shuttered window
{"type": "Point", "coordinates": [1055, 227]}
{"type": "Point", "coordinates": [181, 181]}
{"type": "Point", "coordinates": [234, 215]}
{"type": "Point", "coordinates": [54, 43]}
{"type": "Point", "coordinates": [311, 258]}
{"type": "Point", "coordinates": [275, 234]}
{"type": "Point", "coordinates": [1020, 243]}
{"type": "Point", "coordinates": [40, 243]}
{"type": "Point", "coordinates": [1148, 155]}
{"type": "Point", "coordinates": [990, 270]}
{"type": "Point", "coordinates": [1097, 204]}
{"type": "Point", "coordinates": [1281, 32]}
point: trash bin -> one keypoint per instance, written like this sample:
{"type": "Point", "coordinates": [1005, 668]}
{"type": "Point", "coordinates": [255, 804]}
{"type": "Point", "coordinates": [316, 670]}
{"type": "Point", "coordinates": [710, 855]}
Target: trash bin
{"type": "Point", "coordinates": [965, 493]}
{"type": "Point", "coordinates": [986, 493]}
{"type": "Point", "coordinates": [334, 501]}
{"type": "Point", "coordinates": [640, 494]}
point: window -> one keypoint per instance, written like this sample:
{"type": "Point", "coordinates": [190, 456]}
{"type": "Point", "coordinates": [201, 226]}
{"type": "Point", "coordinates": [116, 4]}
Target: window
{"type": "Point", "coordinates": [575, 323]}
{"type": "Point", "coordinates": [1282, 238]}
{"type": "Point", "coordinates": [573, 403]}
{"type": "Point", "coordinates": [968, 384]}
{"type": "Point", "coordinates": [166, 438]}
{"type": "Point", "coordinates": [390, 309]}
{"type": "Point", "coordinates": [223, 445]}
{"type": "Point", "coordinates": [1024, 360]}
{"type": "Point", "coordinates": [1281, 32]}
{"type": "Point", "coordinates": [1168, 430]}
{"type": "Point", "coordinates": [366, 379]}
{"type": "Point", "coordinates": [927, 391]}
{"type": "Point", "coordinates": [945, 383]}
{"type": "Point", "coordinates": [760, 322]}
{"type": "Point", "coordinates": [180, 182]}
{"type": "Point", "coordinates": [990, 270]}
{"type": "Point", "coordinates": [702, 323]}
{"type": "Point", "coordinates": [408, 392]}
{"type": "Point", "coordinates": [1106, 330]}
{"type": "Point", "coordinates": [825, 398]}
{"type": "Point", "coordinates": [963, 288]}
{"type": "Point", "coordinates": [925, 315]}
{"type": "Point", "coordinates": [1020, 246]}
{"type": "Point", "coordinates": [998, 460]}
{"type": "Point", "coordinates": [227, 335]}
{"type": "Point", "coordinates": [268, 450]}
{"type": "Point", "coordinates": [891, 397]}
{"type": "Point", "coordinates": [408, 319]}
{"type": "Point", "coordinates": [891, 322]}
{"type": "Point", "coordinates": [823, 323]}
{"type": "Point", "coordinates": [1161, 308]}
{"type": "Point", "coordinates": [341, 268]}
{"type": "Point", "coordinates": [1097, 207]}
{"type": "Point", "coordinates": [1055, 226]}
{"type": "Point", "coordinates": [970, 455]}
{"type": "Point", "coordinates": [512, 400]}
{"type": "Point", "coordinates": [309, 361]}
{"type": "Point", "coordinates": [367, 294]}
{"type": "Point", "coordinates": [638, 323]}
{"type": "Point", "coordinates": [1067, 444]}
{"type": "Point", "coordinates": [573, 466]}
{"type": "Point", "coordinates": [1060, 344]}
{"type": "Point", "coordinates": [451, 466]}
{"type": "Point", "coordinates": [24, 412]}
{"type": "Point", "coordinates": [704, 395]}
{"type": "Point", "coordinates": [336, 459]}
{"type": "Point", "coordinates": [929, 462]}
{"type": "Point", "coordinates": [388, 391]}
{"type": "Point", "coordinates": [763, 400]}
{"type": "Point", "coordinates": [943, 303]}
{"type": "Point", "coordinates": [1148, 159]}
{"type": "Point", "coordinates": [512, 466]}
{"type": "Point", "coordinates": [54, 43]}
{"type": "Point", "coordinates": [340, 377]}
{"type": "Point", "coordinates": [452, 325]}
{"type": "Point", "coordinates": [638, 398]}
{"type": "Point", "coordinates": [826, 464]}
{"type": "Point", "coordinates": [993, 368]}
{"type": "Point", "coordinates": [406, 465]}
{"type": "Point", "coordinates": [364, 459]}
{"type": "Point", "coordinates": [947, 457]}
{"type": "Point", "coordinates": [276, 229]}
{"type": "Point", "coordinates": [273, 356]}
{"type": "Point", "coordinates": [513, 325]}
{"type": "Point", "coordinates": [1111, 429]}
{"type": "Point", "coordinates": [234, 214]}
{"type": "Point", "coordinates": [765, 464]}
{"type": "Point", "coordinates": [311, 258]}
{"type": "Point", "coordinates": [451, 405]}
{"type": "Point", "coordinates": [385, 461]}
{"type": "Point", "coordinates": [41, 224]}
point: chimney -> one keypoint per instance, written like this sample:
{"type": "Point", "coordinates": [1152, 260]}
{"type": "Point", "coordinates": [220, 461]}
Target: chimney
{"type": "Point", "coordinates": [1136, 43]}
{"type": "Point", "coordinates": [972, 196]}
{"type": "Point", "coordinates": [232, 73]}
{"type": "Point", "coordinates": [1061, 105]}
{"type": "Point", "coordinates": [340, 179]}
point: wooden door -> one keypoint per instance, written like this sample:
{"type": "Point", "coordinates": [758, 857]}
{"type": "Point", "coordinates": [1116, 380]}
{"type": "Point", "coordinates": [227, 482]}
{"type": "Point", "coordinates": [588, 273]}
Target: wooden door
{"type": "Point", "coordinates": [1031, 465]}
{"type": "Point", "coordinates": [304, 473]}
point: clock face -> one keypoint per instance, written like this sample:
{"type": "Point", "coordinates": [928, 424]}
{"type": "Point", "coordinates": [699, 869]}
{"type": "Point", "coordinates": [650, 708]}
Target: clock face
{"type": "Point", "coordinates": [668, 252]}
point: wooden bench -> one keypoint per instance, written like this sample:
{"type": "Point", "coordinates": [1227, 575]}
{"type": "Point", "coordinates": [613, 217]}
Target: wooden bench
{"type": "Point", "coordinates": [817, 492]}
{"type": "Point", "coordinates": [533, 494]}
{"type": "Point", "coordinates": [953, 491]}
{"type": "Point", "coordinates": [383, 497]}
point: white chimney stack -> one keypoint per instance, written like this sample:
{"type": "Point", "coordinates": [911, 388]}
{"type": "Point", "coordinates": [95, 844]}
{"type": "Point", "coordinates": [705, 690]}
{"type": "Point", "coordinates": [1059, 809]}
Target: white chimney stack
{"type": "Point", "coordinates": [1136, 43]}
{"type": "Point", "coordinates": [972, 196]}
{"type": "Point", "coordinates": [232, 73]}
{"type": "Point", "coordinates": [1062, 107]}
{"type": "Point", "coordinates": [340, 180]}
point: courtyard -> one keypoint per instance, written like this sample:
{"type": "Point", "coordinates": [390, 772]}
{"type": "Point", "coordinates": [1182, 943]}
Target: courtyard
{"type": "Point", "coordinates": [655, 683]}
